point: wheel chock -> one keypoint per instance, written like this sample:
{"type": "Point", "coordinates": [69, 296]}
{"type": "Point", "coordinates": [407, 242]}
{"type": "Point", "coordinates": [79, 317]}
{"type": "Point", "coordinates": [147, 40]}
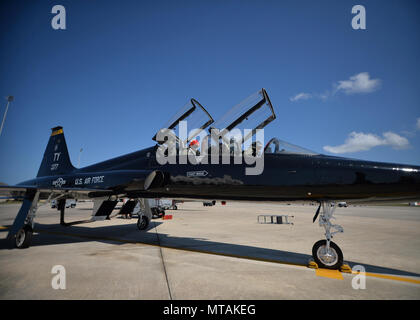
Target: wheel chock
{"type": "Point", "coordinates": [345, 268]}
{"type": "Point", "coordinates": [312, 264]}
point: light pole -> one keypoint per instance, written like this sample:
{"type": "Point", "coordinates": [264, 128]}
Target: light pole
{"type": "Point", "coordinates": [9, 99]}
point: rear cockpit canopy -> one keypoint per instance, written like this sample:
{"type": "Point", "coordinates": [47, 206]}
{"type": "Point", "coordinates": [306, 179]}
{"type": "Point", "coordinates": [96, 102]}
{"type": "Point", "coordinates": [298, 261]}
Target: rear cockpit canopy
{"type": "Point", "coordinates": [242, 121]}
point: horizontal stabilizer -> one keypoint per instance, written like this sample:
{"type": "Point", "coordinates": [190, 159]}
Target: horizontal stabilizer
{"type": "Point", "coordinates": [22, 189]}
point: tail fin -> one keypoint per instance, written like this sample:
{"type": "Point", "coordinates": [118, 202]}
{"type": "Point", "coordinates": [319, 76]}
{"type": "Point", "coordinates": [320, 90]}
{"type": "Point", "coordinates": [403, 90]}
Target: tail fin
{"type": "Point", "coordinates": [56, 159]}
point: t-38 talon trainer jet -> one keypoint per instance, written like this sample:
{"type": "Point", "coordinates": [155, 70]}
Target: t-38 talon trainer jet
{"type": "Point", "coordinates": [289, 173]}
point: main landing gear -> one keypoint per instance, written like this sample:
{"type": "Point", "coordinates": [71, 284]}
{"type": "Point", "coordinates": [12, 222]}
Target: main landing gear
{"type": "Point", "coordinates": [23, 226]}
{"type": "Point", "coordinates": [145, 214]}
{"type": "Point", "coordinates": [142, 222]}
{"type": "Point", "coordinates": [325, 252]}
{"type": "Point", "coordinates": [24, 237]}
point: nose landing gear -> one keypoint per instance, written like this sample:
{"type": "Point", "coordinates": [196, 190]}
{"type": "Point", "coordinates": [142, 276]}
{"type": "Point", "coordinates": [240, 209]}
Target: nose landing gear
{"type": "Point", "coordinates": [326, 253]}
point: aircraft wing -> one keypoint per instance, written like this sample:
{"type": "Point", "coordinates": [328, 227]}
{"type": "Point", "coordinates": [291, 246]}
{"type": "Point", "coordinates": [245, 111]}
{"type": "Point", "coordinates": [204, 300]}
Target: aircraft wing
{"type": "Point", "coordinates": [31, 194]}
{"type": "Point", "coordinates": [20, 190]}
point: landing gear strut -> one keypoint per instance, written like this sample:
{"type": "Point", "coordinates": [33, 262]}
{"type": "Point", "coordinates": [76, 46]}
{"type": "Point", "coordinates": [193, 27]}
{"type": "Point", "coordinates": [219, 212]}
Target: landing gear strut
{"type": "Point", "coordinates": [23, 225]}
{"type": "Point", "coordinates": [62, 207]}
{"type": "Point", "coordinates": [325, 252]}
{"type": "Point", "coordinates": [145, 214]}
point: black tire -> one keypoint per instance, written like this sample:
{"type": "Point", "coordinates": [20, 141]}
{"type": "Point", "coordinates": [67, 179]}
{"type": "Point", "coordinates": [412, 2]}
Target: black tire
{"type": "Point", "coordinates": [155, 213]}
{"type": "Point", "coordinates": [142, 222]}
{"type": "Point", "coordinates": [175, 208]}
{"type": "Point", "coordinates": [23, 238]}
{"type": "Point", "coordinates": [335, 263]}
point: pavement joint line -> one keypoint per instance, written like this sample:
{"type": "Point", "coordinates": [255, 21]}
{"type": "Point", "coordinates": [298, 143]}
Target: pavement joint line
{"type": "Point", "coordinates": [369, 274]}
{"type": "Point", "coordinates": [163, 264]}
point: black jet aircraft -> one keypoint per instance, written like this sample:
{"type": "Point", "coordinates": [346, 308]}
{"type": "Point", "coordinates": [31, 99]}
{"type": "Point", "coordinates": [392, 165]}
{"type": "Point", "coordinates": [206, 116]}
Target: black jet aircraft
{"type": "Point", "coordinates": [289, 173]}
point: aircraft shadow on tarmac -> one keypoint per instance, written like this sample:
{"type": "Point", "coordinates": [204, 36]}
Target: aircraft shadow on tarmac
{"type": "Point", "coordinates": [128, 233]}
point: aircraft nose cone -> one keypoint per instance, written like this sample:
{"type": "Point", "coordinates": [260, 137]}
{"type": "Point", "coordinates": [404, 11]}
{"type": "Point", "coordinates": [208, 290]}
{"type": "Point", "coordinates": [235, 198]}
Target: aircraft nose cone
{"type": "Point", "coordinates": [410, 175]}
{"type": "Point", "coordinates": [397, 180]}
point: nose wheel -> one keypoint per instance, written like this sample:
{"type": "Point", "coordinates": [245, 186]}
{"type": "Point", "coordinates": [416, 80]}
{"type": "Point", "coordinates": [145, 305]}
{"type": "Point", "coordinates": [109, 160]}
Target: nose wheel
{"type": "Point", "coordinates": [328, 257]}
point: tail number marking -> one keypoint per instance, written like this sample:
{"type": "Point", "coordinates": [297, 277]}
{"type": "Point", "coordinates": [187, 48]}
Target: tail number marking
{"type": "Point", "coordinates": [56, 156]}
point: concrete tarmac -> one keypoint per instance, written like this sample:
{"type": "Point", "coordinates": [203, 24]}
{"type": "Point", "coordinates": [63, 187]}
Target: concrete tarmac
{"type": "Point", "coordinates": [218, 252]}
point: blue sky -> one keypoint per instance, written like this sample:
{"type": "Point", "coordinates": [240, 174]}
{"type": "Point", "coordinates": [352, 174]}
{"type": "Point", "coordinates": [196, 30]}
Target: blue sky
{"type": "Point", "coordinates": [120, 70]}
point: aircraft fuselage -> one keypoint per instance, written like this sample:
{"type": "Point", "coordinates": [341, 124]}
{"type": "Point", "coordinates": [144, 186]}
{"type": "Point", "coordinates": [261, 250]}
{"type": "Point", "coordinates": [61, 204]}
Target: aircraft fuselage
{"type": "Point", "coordinates": [286, 177]}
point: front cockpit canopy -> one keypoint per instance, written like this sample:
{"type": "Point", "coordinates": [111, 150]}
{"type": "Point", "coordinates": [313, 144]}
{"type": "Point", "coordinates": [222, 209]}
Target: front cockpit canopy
{"type": "Point", "coordinates": [242, 121]}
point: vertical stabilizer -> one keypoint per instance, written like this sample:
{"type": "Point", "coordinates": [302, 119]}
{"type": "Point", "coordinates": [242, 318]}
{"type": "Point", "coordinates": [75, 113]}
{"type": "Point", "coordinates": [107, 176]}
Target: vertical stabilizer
{"type": "Point", "coordinates": [56, 160]}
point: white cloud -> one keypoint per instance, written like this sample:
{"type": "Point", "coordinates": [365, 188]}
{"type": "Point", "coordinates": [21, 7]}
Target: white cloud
{"type": "Point", "coordinates": [418, 123]}
{"type": "Point", "coordinates": [359, 141]}
{"type": "Point", "coordinates": [359, 83]}
{"type": "Point", "coordinates": [395, 141]}
{"type": "Point", "coordinates": [301, 96]}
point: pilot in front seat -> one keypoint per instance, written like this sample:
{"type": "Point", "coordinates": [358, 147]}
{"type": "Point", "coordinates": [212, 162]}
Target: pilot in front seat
{"type": "Point", "coordinates": [193, 147]}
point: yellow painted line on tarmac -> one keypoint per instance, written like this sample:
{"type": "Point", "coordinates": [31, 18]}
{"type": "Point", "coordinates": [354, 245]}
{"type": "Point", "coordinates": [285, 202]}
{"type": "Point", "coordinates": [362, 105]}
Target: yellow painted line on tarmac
{"type": "Point", "coordinates": [327, 273]}
{"type": "Point", "coordinates": [3, 228]}
{"type": "Point", "coordinates": [390, 277]}
{"type": "Point", "coordinates": [332, 274]}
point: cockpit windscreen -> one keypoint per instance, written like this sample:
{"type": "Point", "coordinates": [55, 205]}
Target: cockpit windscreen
{"type": "Point", "coordinates": [282, 147]}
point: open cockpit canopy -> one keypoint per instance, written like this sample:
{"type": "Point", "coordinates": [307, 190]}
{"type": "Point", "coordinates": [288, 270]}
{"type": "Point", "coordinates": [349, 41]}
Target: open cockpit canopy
{"type": "Point", "coordinates": [236, 127]}
{"type": "Point", "coordinates": [242, 121]}
{"type": "Point", "coordinates": [196, 119]}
